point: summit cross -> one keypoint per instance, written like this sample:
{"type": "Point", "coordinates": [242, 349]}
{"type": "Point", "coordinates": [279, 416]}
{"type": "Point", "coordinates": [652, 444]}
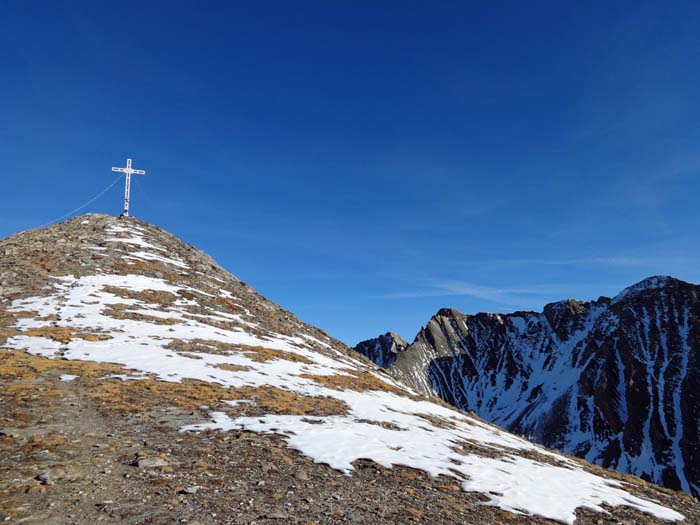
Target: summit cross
{"type": "Point", "coordinates": [129, 171]}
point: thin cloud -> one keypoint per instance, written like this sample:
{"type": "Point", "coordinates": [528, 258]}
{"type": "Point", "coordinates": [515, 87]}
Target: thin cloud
{"type": "Point", "coordinates": [513, 297]}
{"type": "Point", "coordinates": [618, 262]}
{"type": "Point", "coordinates": [583, 261]}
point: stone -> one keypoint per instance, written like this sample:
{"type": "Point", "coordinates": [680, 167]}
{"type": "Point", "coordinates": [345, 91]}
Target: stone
{"type": "Point", "coordinates": [153, 462]}
{"type": "Point", "coordinates": [269, 467]}
{"type": "Point", "coordinates": [301, 475]}
{"type": "Point", "coordinates": [201, 464]}
{"type": "Point", "coordinates": [44, 479]}
{"type": "Point", "coordinates": [277, 515]}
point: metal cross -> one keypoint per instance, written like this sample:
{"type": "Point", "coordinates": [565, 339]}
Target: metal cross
{"type": "Point", "coordinates": [127, 190]}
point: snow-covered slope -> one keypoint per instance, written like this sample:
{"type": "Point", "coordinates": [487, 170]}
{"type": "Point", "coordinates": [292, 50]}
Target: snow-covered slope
{"type": "Point", "coordinates": [612, 381]}
{"type": "Point", "coordinates": [105, 290]}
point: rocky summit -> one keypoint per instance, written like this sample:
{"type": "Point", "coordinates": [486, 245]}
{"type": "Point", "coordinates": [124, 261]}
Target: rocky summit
{"type": "Point", "coordinates": [382, 350]}
{"type": "Point", "coordinates": [614, 381]}
{"type": "Point", "coordinates": [142, 383]}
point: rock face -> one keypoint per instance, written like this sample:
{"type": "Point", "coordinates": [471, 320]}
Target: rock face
{"type": "Point", "coordinates": [133, 360]}
{"type": "Point", "coordinates": [614, 381]}
{"type": "Point", "coordinates": [383, 350]}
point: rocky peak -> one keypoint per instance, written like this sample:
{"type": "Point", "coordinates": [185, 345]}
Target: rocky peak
{"type": "Point", "coordinates": [382, 350]}
{"type": "Point", "coordinates": [646, 287]}
{"type": "Point", "coordinates": [569, 316]}
{"type": "Point", "coordinates": [448, 312]}
{"type": "Point", "coordinates": [565, 308]}
{"type": "Point", "coordinates": [611, 381]}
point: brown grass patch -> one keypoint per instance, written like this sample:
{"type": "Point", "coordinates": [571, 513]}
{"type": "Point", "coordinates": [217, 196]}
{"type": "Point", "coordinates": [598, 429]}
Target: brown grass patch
{"type": "Point", "coordinates": [355, 380]}
{"type": "Point", "coordinates": [19, 365]}
{"type": "Point", "coordinates": [23, 387]}
{"type": "Point", "coordinates": [95, 337]}
{"type": "Point", "coordinates": [8, 319]}
{"type": "Point", "coordinates": [147, 296]}
{"type": "Point", "coordinates": [278, 401]}
{"type": "Point", "coordinates": [229, 366]}
{"type": "Point", "coordinates": [211, 321]}
{"type": "Point", "coordinates": [228, 304]}
{"type": "Point", "coordinates": [256, 353]}
{"type": "Point", "coordinates": [438, 422]}
{"type": "Point", "coordinates": [262, 354]}
{"type": "Point", "coordinates": [186, 295]}
{"type": "Point", "coordinates": [6, 333]}
{"type": "Point", "coordinates": [143, 395]}
{"type": "Point", "coordinates": [199, 346]}
{"type": "Point", "coordinates": [190, 356]}
{"type": "Point", "coordinates": [151, 268]}
{"type": "Point", "coordinates": [20, 374]}
{"type": "Point", "coordinates": [52, 440]}
{"type": "Point", "coordinates": [64, 335]}
{"type": "Point", "coordinates": [120, 311]}
{"type": "Point", "coordinates": [383, 424]}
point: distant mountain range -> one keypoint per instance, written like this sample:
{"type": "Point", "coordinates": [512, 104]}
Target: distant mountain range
{"type": "Point", "coordinates": [613, 381]}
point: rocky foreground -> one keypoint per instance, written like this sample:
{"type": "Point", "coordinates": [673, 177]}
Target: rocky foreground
{"type": "Point", "coordinates": [141, 383]}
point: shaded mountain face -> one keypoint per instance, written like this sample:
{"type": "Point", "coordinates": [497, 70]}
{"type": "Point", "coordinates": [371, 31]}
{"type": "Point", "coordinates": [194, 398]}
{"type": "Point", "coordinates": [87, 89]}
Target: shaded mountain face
{"type": "Point", "coordinates": [614, 381]}
{"type": "Point", "coordinates": [129, 349]}
{"type": "Point", "coordinates": [382, 350]}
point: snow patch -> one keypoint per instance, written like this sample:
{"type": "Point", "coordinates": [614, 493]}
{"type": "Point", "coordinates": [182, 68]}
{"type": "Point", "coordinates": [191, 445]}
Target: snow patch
{"type": "Point", "coordinates": [512, 483]}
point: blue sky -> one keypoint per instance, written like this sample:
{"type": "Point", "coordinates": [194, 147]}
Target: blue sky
{"type": "Point", "coordinates": [366, 163]}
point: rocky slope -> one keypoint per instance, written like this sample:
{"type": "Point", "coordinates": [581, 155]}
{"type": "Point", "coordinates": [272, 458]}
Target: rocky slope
{"type": "Point", "coordinates": [382, 350]}
{"type": "Point", "coordinates": [614, 381]}
{"type": "Point", "coordinates": [141, 383]}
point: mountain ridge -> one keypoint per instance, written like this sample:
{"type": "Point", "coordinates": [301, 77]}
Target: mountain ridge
{"type": "Point", "coordinates": [143, 337]}
{"type": "Point", "coordinates": [570, 376]}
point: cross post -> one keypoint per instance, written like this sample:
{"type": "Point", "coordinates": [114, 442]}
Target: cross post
{"type": "Point", "coordinates": [129, 171]}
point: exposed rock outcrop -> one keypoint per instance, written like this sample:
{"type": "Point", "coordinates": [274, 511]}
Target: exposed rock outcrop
{"type": "Point", "coordinates": [383, 350]}
{"type": "Point", "coordinates": [614, 381]}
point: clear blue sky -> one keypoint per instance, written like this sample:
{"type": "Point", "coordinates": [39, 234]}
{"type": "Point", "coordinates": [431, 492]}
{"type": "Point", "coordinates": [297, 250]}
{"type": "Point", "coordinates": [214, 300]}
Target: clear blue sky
{"type": "Point", "coordinates": [365, 163]}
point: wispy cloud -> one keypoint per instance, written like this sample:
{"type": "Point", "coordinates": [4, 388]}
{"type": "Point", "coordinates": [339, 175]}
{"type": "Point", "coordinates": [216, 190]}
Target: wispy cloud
{"type": "Point", "coordinates": [615, 261]}
{"type": "Point", "coordinates": [517, 297]}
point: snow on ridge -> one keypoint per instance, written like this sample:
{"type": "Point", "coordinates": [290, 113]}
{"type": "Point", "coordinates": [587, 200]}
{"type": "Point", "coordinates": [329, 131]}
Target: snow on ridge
{"type": "Point", "coordinates": [379, 425]}
{"type": "Point", "coordinates": [150, 252]}
{"type": "Point", "coordinates": [114, 228]}
{"type": "Point", "coordinates": [650, 283]}
{"type": "Point", "coordinates": [146, 256]}
{"type": "Point", "coordinates": [137, 240]}
{"type": "Point", "coordinates": [82, 301]}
